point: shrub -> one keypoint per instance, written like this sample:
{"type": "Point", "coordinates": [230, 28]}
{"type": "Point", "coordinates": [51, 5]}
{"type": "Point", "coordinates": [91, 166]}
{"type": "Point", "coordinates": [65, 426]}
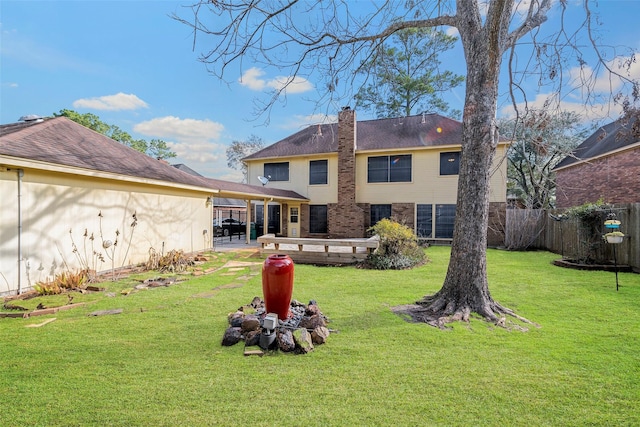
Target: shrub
{"type": "Point", "coordinates": [63, 281]}
{"type": "Point", "coordinates": [398, 248]}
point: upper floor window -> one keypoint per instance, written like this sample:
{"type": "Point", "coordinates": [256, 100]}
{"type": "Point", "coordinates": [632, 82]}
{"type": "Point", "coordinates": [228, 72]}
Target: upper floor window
{"type": "Point", "coordinates": [318, 172]}
{"type": "Point", "coordinates": [277, 171]}
{"type": "Point", "coordinates": [450, 163]}
{"type": "Point", "coordinates": [389, 168]}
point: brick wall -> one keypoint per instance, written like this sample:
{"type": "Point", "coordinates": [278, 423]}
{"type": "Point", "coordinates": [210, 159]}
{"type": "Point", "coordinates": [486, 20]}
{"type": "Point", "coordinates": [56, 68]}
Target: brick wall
{"type": "Point", "coordinates": [614, 178]}
{"type": "Point", "coordinates": [346, 219]}
{"type": "Point", "coordinates": [304, 220]}
{"type": "Point", "coordinates": [284, 214]}
{"type": "Point", "coordinates": [404, 213]}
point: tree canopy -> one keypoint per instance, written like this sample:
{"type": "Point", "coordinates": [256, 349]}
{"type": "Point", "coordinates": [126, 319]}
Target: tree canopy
{"type": "Point", "coordinates": [406, 77]}
{"type": "Point", "coordinates": [156, 148]}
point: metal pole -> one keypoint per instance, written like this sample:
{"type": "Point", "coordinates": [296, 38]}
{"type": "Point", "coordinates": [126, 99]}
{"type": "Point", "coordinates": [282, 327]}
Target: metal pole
{"type": "Point", "coordinates": [615, 265]}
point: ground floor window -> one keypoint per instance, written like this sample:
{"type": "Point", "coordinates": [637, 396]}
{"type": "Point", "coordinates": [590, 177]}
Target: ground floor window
{"type": "Point", "coordinates": [438, 226]}
{"type": "Point", "coordinates": [317, 218]}
{"type": "Point", "coordinates": [424, 221]}
{"type": "Point", "coordinates": [445, 215]}
{"type": "Point", "coordinates": [273, 218]}
{"type": "Point", "coordinates": [379, 212]}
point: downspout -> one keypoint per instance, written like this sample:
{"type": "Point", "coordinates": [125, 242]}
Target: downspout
{"type": "Point", "coordinates": [20, 173]}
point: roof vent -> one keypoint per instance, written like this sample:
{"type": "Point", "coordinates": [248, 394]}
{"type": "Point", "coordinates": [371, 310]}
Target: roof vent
{"type": "Point", "coordinates": [31, 118]}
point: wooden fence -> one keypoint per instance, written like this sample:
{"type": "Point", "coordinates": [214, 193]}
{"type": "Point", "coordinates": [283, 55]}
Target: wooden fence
{"type": "Point", "coordinates": [537, 229]}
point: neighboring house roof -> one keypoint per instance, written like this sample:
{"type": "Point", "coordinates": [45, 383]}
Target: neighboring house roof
{"type": "Point", "coordinates": [185, 168]}
{"type": "Point", "coordinates": [423, 130]}
{"type": "Point", "coordinates": [609, 138]}
{"type": "Point", "coordinates": [61, 141]}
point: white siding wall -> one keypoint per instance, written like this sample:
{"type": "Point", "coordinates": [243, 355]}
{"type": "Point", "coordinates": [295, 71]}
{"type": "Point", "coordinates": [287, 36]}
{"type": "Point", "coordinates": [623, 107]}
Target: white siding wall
{"type": "Point", "coordinates": [299, 178]}
{"type": "Point", "coordinates": [427, 185]}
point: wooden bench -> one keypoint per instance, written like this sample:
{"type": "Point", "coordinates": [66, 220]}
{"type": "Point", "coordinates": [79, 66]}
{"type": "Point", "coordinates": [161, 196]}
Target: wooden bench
{"type": "Point", "coordinates": [319, 251]}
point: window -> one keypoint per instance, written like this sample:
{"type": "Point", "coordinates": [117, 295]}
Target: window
{"type": "Point", "coordinates": [277, 171]}
{"type": "Point", "coordinates": [293, 214]}
{"type": "Point", "coordinates": [450, 163]}
{"type": "Point", "coordinates": [445, 215]}
{"type": "Point", "coordinates": [317, 218]}
{"type": "Point", "coordinates": [379, 212]}
{"type": "Point", "coordinates": [424, 221]}
{"type": "Point", "coordinates": [389, 168]}
{"type": "Point", "coordinates": [317, 172]}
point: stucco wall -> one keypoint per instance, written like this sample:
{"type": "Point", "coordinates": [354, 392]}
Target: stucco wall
{"type": "Point", "coordinates": [614, 178]}
{"type": "Point", "coordinates": [58, 207]}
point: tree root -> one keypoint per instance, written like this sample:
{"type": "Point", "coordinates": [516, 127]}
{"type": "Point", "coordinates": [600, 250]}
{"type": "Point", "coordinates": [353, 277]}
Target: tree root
{"type": "Point", "coordinates": [438, 311]}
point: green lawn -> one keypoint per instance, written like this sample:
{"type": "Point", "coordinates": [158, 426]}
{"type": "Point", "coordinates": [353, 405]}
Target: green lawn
{"type": "Point", "coordinates": [160, 362]}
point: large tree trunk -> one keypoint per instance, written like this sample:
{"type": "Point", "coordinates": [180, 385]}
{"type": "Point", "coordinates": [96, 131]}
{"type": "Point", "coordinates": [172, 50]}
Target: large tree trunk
{"type": "Point", "coordinates": [465, 289]}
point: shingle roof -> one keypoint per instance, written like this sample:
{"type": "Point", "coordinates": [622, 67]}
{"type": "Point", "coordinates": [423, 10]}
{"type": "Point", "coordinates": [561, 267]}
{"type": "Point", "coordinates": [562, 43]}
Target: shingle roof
{"type": "Point", "coordinates": [426, 130]}
{"type": "Point", "coordinates": [608, 138]}
{"type": "Point", "coordinates": [61, 141]}
{"type": "Point", "coordinates": [230, 189]}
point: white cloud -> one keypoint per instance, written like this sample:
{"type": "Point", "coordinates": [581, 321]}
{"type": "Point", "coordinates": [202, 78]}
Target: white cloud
{"type": "Point", "coordinates": [252, 80]}
{"type": "Point", "coordinates": [587, 112]}
{"type": "Point", "coordinates": [604, 81]}
{"type": "Point", "coordinates": [195, 142]}
{"type": "Point", "coordinates": [119, 101]}
{"type": "Point", "coordinates": [452, 31]}
{"type": "Point", "coordinates": [180, 129]}
{"type": "Point", "coordinates": [198, 152]}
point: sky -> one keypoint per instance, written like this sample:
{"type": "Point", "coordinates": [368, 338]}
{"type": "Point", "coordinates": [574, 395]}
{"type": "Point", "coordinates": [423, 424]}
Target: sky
{"type": "Point", "coordinates": [135, 67]}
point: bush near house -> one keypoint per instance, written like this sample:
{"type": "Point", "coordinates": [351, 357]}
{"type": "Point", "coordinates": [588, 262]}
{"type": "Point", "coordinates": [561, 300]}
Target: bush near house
{"type": "Point", "coordinates": [398, 248]}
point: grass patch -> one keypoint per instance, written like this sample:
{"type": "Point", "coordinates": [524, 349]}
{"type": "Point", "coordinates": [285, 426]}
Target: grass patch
{"type": "Point", "coordinates": [160, 362]}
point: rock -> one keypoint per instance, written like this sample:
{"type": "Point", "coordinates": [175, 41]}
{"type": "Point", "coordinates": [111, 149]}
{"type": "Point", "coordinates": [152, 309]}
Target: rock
{"type": "Point", "coordinates": [320, 335]}
{"type": "Point", "coordinates": [285, 341]}
{"type": "Point", "coordinates": [256, 302]}
{"type": "Point", "coordinates": [235, 319]}
{"type": "Point", "coordinates": [304, 343]}
{"type": "Point", "coordinates": [250, 323]}
{"type": "Point", "coordinates": [231, 336]}
{"type": "Point", "coordinates": [313, 322]}
{"type": "Point", "coordinates": [312, 310]}
{"type": "Point", "coordinates": [252, 338]}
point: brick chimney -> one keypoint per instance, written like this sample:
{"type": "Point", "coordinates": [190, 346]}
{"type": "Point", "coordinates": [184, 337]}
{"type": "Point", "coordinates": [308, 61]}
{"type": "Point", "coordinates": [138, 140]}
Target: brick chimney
{"type": "Point", "coordinates": [346, 219]}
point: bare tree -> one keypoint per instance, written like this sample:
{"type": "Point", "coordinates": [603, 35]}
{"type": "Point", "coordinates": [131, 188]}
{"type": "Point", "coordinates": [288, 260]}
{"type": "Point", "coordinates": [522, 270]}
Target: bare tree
{"type": "Point", "coordinates": [330, 38]}
{"type": "Point", "coordinates": [539, 142]}
{"type": "Point", "coordinates": [238, 150]}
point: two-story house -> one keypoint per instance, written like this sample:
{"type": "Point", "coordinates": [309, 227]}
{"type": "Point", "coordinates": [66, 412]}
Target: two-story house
{"type": "Point", "coordinates": [356, 173]}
